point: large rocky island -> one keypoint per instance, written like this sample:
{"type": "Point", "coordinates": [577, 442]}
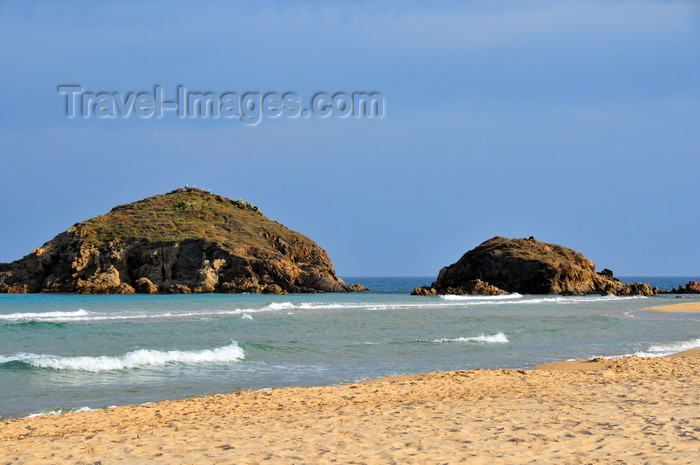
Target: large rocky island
{"type": "Point", "coordinates": [527, 266]}
{"type": "Point", "coordinates": [185, 241]}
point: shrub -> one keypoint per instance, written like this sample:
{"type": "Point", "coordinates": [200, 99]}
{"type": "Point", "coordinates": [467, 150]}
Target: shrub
{"type": "Point", "coordinates": [240, 203]}
{"type": "Point", "coordinates": [185, 205]}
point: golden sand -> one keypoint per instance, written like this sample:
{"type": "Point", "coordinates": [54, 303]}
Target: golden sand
{"type": "Point", "coordinates": [628, 410]}
{"type": "Point", "coordinates": [689, 307]}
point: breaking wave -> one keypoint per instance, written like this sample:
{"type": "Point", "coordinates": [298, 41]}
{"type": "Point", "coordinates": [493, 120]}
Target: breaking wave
{"type": "Point", "coordinates": [59, 412]}
{"type": "Point", "coordinates": [499, 338]}
{"type": "Point", "coordinates": [668, 349]}
{"type": "Point", "coordinates": [514, 295]}
{"type": "Point", "coordinates": [136, 359]}
{"type": "Point", "coordinates": [579, 299]}
{"type": "Point", "coordinates": [45, 316]}
{"type": "Point", "coordinates": [85, 316]}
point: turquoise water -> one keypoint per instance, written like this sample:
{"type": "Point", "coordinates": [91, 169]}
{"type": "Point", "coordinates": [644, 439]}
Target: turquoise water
{"type": "Point", "coordinates": [69, 352]}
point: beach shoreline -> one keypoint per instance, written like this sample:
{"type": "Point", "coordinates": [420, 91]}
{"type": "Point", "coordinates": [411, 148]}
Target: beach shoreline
{"type": "Point", "coordinates": [686, 307]}
{"type": "Point", "coordinates": [631, 409]}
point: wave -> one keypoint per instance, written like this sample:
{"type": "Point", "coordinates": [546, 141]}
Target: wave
{"type": "Point", "coordinates": [136, 359]}
{"type": "Point", "coordinates": [45, 316]}
{"type": "Point", "coordinates": [308, 306]}
{"type": "Point", "coordinates": [668, 349]}
{"type": "Point", "coordinates": [499, 338]}
{"type": "Point", "coordinates": [279, 306]}
{"type": "Point", "coordinates": [84, 315]}
{"type": "Point", "coordinates": [198, 314]}
{"type": "Point", "coordinates": [5, 359]}
{"type": "Point", "coordinates": [59, 412]}
{"type": "Point", "coordinates": [519, 299]}
{"type": "Point", "coordinates": [514, 295]}
{"type": "Point", "coordinates": [444, 301]}
{"type": "Point", "coordinates": [579, 299]}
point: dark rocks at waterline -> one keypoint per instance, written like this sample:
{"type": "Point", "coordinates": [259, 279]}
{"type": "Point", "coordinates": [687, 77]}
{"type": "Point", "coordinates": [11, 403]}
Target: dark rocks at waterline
{"type": "Point", "coordinates": [473, 287]}
{"type": "Point", "coordinates": [692, 287]}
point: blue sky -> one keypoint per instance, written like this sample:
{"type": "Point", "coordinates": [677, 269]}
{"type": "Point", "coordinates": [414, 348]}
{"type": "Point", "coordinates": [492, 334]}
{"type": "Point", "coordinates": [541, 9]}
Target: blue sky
{"type": "Point", "coordinates": [575, 122]}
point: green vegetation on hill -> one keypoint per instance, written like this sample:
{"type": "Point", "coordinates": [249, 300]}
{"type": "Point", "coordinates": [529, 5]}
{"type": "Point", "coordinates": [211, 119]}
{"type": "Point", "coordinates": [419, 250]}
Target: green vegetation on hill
{"type": "Point", "coordinates": [185, 241]}
{"type": "Point", "coordinates": [186, 213]}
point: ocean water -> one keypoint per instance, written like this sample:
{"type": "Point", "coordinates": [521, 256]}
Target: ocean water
{"type": "Point", "coordinates": [68, 352]}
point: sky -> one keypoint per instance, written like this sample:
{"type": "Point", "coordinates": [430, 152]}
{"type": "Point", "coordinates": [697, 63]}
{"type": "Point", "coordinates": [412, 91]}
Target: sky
{"type": "Point", "coordinates": [577, 122]}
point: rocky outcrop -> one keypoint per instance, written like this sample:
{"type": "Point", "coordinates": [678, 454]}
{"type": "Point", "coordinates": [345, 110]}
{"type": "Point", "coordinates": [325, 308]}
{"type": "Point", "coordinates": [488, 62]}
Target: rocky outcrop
{"type": "Point", "coordinates": [692, 287]}
{"type": "Point", "coordinates": [186, 241]}
{"type": "Point", "coordinates": [473, 287]}
{"type": "Point", "coordinates": [424, 291]}
{"type": "Point", "coordinates": [528, 266]}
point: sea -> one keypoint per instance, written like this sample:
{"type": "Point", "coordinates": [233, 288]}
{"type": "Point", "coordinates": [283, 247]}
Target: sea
{"type": "Point", "coordinates": [61, 353]}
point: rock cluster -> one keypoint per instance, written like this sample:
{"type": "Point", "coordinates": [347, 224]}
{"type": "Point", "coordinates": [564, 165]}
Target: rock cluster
{"type": "Point", "coordinates": [528, 266]}
{"type": "Point", "coordinates": [692, 287]}
{"type": "Point", "coordinates": [186, 241]}
{"type": "Point", "coordinates": [473, 287]}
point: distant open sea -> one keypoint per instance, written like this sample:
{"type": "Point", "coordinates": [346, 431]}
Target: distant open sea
{"type": "Point", "coordinates": [61, 353]}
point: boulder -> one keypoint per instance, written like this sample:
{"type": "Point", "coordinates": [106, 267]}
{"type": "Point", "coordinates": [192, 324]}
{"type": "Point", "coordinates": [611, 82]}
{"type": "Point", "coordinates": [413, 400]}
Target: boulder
{"type": "Point", "coordinates": [473, 287]}
{"type": "Point", "coordinates": [145, 286]}
{"type": "Point", "coordinates": [424, 291]}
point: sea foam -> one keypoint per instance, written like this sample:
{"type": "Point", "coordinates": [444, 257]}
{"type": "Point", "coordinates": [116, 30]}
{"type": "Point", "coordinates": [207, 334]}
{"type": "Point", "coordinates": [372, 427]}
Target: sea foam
{"type": "Point", "coordinates": [499, 338]}
{"type": "Point", "coordinates": [668, 349]}
{"type": "Point", "coordinates": [579, 299]}
{"type": "Point", "coordinates": [514, 295]}
{"type": "Point", "coordinates": [59, 412]}
{"type": "Point", "coordinates": [308, 306]}
{"type": "Point", "coordinates": [136, 359]}
{"type": "Point", "coordinates": [46, 316]}
{"type": "Point", "coordinates": [86, 316]}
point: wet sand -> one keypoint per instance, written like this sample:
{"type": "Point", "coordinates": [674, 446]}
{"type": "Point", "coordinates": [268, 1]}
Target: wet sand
{"type": "Point", "coordinates": [627, 410]}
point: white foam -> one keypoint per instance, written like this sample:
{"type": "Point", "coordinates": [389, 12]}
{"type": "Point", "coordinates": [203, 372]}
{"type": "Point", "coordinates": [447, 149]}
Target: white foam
{"type": "Point", "coordinates": [499, 338]}
{"type": "Point", "coordinates": [59, 412]}
{"type": "Point", "coordinates": [8, 358]}
{"type": "Point", "coordinates": [136, 359]}
{"type": "Point", "coordinates": [514, 295]}
{"type": "Point", "coordinates": [367, 305]}
{"type": "Point", "coordinates": [578, 299]}
{"type": "Point", "coordinates": [45, 316]}
{"type": "Point", "coordinates": [518, 299]}
{"type": "Point", "coordinates": [308, 306]}
{"type": "Point", "coordinates": [45, 412]}
{"type": "Point", "coordinates": [84, 316]}
{"type": "Point", "coordinates": [246, 316]}
{"type": "Point", "coordinates": [279, 306]}
{"type": "Point", "coordinates": [668, 349]}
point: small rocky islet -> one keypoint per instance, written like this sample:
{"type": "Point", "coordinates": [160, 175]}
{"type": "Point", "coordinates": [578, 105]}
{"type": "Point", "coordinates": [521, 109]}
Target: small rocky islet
{"type": "Point", "coordinates": [185, 241]}
{"type": "Point", "coordinates": [502, 265]}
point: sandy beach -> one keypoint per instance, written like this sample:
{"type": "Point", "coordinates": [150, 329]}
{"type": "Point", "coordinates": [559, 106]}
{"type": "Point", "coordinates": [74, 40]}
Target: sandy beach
{"type": "Point", "coordinates": [688, 307]}
{"type": "Point", "coordinates": [628, 410]}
